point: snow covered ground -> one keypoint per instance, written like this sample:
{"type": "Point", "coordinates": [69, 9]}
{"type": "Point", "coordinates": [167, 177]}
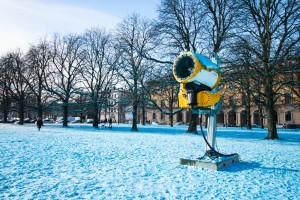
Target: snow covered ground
{"type": "Point", "coordinates": [80, 162]}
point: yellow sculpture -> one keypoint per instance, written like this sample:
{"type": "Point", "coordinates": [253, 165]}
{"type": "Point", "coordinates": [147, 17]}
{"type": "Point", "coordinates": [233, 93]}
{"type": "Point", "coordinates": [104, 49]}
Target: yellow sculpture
{"type": "Point", "coordinates": [198, 77]}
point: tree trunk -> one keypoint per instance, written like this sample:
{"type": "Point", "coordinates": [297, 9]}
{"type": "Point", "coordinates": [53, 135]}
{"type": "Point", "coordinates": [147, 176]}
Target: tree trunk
{"type": "Point", "coordinates": [134, 107]}
{"type": "Point", "coordinates": [270, 104]}
{"type": "Point", "coordinates": [193, 124]}
{"type": "Point", "coordinates": [134, 116]}
{"type": "Point", "coordinates": [272, 131]}
{"type": "Point", "coordinates": [143, 115]}
{"type": "Point", "coordinates": [81, 117]}
{"type": "Point", "coordinates": [5, 114]}
{"type": "Point", "coordinates": [65, 114]}
{"type": "Point", "coordinates": [261, 118]}
{"type": "Point", "coordinates": [21, 111]}
{"type": "Point", "coordinates": [95, 116]}
{"type": "Point", "coordinates": [248, 111]}
{"type": "Point", "coordinates": [5, 106]}
{"type": "Point", "coordinates": [171, 117]}
{"type": "Point", "coordinates": [249, 125]}
{"type": "Point", "coordinates": [5, 110]}
{"type": "Point", "coordinates": [40, 109]}
{"type": "Point", "coordinates": [95, 121]}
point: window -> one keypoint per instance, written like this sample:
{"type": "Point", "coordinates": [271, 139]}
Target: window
{"type": "Point", "coordinates": [153, 116]}
{"type": "Point", "coordinates": [288, 116]}
{"type": "Point", "coordinates": [161, 116]}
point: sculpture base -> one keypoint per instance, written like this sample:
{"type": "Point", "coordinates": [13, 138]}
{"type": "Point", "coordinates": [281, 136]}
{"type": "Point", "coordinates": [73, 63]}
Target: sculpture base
{"type": "Point", "coordinates": [206, 162]}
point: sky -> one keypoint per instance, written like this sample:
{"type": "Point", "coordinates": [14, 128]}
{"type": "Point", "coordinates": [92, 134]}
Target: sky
{"type": "Point", "coordinates": [23, 22]}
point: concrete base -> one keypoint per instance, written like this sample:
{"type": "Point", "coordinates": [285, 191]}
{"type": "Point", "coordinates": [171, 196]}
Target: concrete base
{"type": "Point", "coordinates": [206, 162]}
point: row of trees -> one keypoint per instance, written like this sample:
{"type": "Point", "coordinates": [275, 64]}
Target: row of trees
{"type": "Point", "coordinates": [55, 71]}
{"type": "Point", "coordinates": [260, 37]}
{"type": "Point", "coordinates": [266, 55]}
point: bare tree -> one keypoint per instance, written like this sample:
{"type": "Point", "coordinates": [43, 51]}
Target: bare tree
{"type": "Point", "coordinates": [64, 71]}
{"type": "Point", "coordinates": [5, 64]}
{"type": "Point", "coordinates": [163, 95]}
{"type": "Point", "coordinates": [132, 37]}
{"type": "Point", "coordinates": [180, 24]}
{"type": "Point", "coordinates": [38, 59]}
{"type": "Point", "coordinates": [270, 32]}
{"type": "Point", "coordinates": [237, 75]}
{"type": "Point", "coordinates": [197, 26]}
{"type": "Point", "coordinates": [219, 23]}
{"type": "Point", "coordinates": [99, 74]}
{"type": "Point", "coordinates": [17, 86]}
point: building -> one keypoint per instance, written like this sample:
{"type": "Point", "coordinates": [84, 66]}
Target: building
{"type": "Point", "coordinates": [118, 107]}
{"type": "Point", "coordinates": [233, 109]}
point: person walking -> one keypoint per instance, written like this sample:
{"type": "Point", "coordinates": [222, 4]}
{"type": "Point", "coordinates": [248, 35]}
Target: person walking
{"type": "Point", "coordinates": [39, 123]}
{"type": "Point", "coordinates": [110, 123]}
{"type": "Point", "coordinates": [104, 122]}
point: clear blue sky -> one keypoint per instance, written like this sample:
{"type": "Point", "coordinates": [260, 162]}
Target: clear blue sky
{"type": "Point", "coordinates": [25, 21]}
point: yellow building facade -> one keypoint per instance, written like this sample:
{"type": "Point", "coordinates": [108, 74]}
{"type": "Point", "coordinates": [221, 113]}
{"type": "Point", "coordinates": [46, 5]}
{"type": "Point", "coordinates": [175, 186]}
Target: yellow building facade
{"type": "Point", "coordinates": [233, 109]}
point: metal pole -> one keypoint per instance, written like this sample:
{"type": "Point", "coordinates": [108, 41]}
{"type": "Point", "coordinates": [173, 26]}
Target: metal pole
{"type": "Point", "coordinates": [211, 131]}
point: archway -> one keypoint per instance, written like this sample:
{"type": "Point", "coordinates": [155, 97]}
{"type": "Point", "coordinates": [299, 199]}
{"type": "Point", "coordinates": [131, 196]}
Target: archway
{"type": "Point", "coordinates": [220, 117]}
{"type": "Point", "coordinates": [231, 118]}
{"type": "Point", "coordinates": [188, 116]}
{"type": "Point", "coordinates": [256, 117]}
{"type": "Point", "coordinates": [179, 117]}
{"type": "Point", "coordinates": [288, 116]}
{"type": "Point", "coordinates": [243, 118]}
{"type": "Point", "coordinates": [153, 116]}
{"type": "Point", "coordinates": [276, 117]}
